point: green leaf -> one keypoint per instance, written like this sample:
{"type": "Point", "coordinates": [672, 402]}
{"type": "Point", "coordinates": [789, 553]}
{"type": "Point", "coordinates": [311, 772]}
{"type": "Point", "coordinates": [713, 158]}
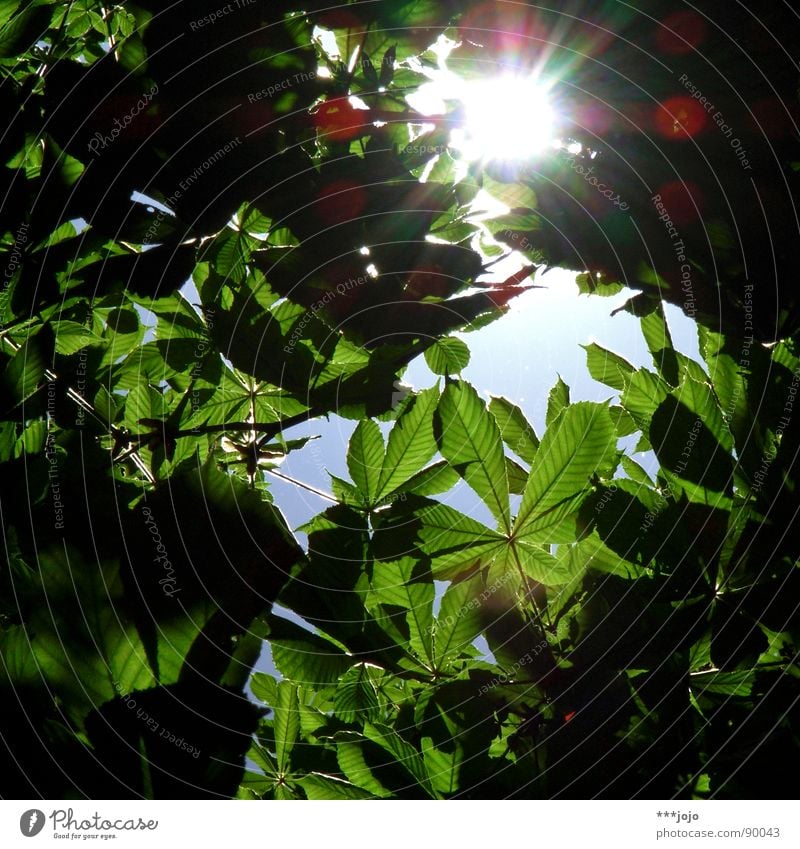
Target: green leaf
{"type": "Point", "coordinates": [33, 439]}
{"type": "Point", "coordinates": [71, 337]}
{"type": "Point", "coordinates": [623, 422]}
{"type": "Point", "coordinates": [264, 687]}
{"type": "Point", "coordinates": [345, 492]}
{"type": "Point", "coordinates": [592, 552]}
{"type": "Point", "coordinates": [25, 373]}
{"type": "Point", "coordinates": [642, 395]}
{"type": "Point", "coordinates": [739, 683]}
{"type": "Point", "coordinates": [350, 756]}
{"type": "Point", "coordinates": [659, 342]}
{"type": "Point", "coordinates": [458, 622]}
{"type": "Point", "coordinates": [325, 787]}
{"type": "Point", "coordinates": [538, 564]}
{"type": "Point", "coordinates": [692, 441]}
{"type": "Point", "coordinates": [395, 582]}
{"type": "Point", "coordinates": [436, 478]}
{"type": "Point", "coordinates": [470, 441]}
{"type": "Point", "coordinates": [518, 434]}
{"type": "Point", "coordinates": [447, 356]}
{"type": "Point", "coordinates": [594, 284]}
{"type": "Point", "coordinates": [635, 472]}
{"type": "Point", "coordinates": [517, 477]}
{"type": "Point", "coordinates": [580, 445]}
{"type": "Point", "coordinates": [357, 694]}
{"type": "Point", "coordinates": [411, 443]}
{"type": "Point", "coordinates": [607, 367]}
{"type": "Point", "coordinates": [402, 751]}
{"type": "Point", "coordinates": [557, 400]}
{"type": "Point", "coordinates": [365, 459]}
{"type": "Point", "coordinates": [23, 30]}
{"type": "Point", "coordinates": [455, 542]}
{"type": "Point", "coordinates": [286, 723]}
{"type": "Point", "coordinates": [515, 195]}
{"type": "Point", "coordinates": [442, 767]}
{"type": "Point", "coordinates": [306, 658]}
{"type": "Point", "coordinates": [84, 645]}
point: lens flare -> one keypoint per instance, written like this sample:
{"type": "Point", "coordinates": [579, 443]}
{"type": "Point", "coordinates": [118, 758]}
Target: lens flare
{"type": "Point", "coordinates": [505, 118]}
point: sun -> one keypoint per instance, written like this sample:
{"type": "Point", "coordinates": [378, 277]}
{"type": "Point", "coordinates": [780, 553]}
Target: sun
{"type": "Point", "coordinates": [505, 118]}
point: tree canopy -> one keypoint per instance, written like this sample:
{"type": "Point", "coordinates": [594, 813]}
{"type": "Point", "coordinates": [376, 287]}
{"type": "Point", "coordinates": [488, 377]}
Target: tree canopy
{"type": "Point", "coordinates": [220, 222]}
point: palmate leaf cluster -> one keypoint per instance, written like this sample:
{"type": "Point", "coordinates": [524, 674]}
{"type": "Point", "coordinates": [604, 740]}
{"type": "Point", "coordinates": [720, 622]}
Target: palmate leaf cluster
{"type": "Point", "coordinates": [591, 626]}
{"type": "Point", "coordinates": [621, 610]}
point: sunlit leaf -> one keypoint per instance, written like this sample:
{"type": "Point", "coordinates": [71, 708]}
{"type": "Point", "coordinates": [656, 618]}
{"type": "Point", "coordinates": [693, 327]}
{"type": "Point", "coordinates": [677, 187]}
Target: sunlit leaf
{"type": "Point", "coordinates": [447, 356]}
{"type": "Point", "coordinates": [365, 459]}
{"type": "Point", "coordinates": [458, 622]}
{"type": "Point", "coordinates": [607, 367]}
{"type": "Point", "coordinates": [518, 434]}
{"type": "Point", "coordinates": [322, 787]}
{"type": "Point", "coordinates": [411, 444]}
{"type": "Point", "coordinates": [581, 444]}
{"type": "Point", "coordinates": [287, 723]}
{"type": "Point", "coordinates": [469, 440]}
{"type": "Point", "coordinates": [557, 400]}
{"type": "Point", "coordinates": [402, 751]}
{"type": "Point", "coordinates": [357, 694]}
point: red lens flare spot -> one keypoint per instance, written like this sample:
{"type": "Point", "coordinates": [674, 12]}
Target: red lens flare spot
{"type": "Point", "coordinates": [338, 120]}
{"type": "Point", "coordinates": [683, 201]}
{"type": "Point", "coordinates": [504, 28]}
{"type": "Point", "coordinates": [680, 33]}
{"type": "Point", "coordinates": [339, 19]}
{"type": "Point", "coordinates": [340, 201]}
{"type": "Point", "coordinates": [680, 118]}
